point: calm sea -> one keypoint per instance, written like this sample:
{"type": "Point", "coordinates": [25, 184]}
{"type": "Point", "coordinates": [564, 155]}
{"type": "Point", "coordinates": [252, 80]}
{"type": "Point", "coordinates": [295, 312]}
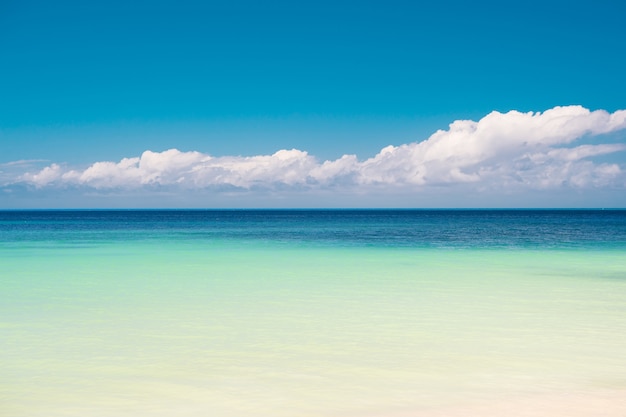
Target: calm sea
{"type": "Point", "coordinates": [313, 313]}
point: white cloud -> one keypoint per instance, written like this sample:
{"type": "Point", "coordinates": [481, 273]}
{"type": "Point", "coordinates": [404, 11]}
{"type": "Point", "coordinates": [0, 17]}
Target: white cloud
{"type": "Point", "coordinates": [49, 174]}
{"type": "Point", "coordinates": [468, 151]}
{"type": "Point", "coordinates": [332, 170]}
{"type": "Point", "coordinates": [283, 167]}
{"type": "Point", "coordinates": [500, 151]}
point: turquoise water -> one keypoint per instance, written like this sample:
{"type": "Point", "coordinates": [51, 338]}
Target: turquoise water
{"type": "Point", "coordinates": [311, 313]}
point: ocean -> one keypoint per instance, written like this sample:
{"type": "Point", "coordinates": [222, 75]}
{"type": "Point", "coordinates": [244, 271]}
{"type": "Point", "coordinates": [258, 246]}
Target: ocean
{"type": "Point", "coordinates": [320, 313]}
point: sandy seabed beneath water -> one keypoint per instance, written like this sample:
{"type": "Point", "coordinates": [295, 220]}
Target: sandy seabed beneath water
{"type": "Point", "coordinates": [606, 403]}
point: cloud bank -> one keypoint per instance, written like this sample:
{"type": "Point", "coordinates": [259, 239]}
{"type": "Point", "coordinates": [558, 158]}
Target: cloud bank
{"type": "Point", "coordinates": [559, 148]}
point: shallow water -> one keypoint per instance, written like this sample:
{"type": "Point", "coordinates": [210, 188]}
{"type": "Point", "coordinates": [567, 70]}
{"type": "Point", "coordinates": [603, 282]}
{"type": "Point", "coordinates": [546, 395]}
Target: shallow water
{"type": "Point", "coordinates": [309, 313]}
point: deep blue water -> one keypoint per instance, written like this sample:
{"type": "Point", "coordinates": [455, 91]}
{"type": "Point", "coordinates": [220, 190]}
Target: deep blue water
{"type": "Point", "coordinates": [537, 229]}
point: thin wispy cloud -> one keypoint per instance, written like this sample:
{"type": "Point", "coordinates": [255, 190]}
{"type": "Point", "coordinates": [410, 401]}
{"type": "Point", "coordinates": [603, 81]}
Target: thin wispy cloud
{"type": "Point", "coordinates": [22, 162]}
{"type": "Point", "coordinates": [512, 150]}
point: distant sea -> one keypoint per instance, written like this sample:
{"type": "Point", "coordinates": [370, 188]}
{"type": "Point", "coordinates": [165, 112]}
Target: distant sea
{"type": "Point", "coordinates": [312, 313]}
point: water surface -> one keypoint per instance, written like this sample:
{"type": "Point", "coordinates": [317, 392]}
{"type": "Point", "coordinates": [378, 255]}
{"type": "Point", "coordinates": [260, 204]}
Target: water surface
{"type": "Point", "coordinates": [312, 313]}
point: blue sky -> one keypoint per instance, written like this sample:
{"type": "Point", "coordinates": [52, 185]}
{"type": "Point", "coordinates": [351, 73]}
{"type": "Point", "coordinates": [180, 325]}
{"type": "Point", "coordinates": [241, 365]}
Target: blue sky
{"type": "Point", "coordinates": [89, 82]}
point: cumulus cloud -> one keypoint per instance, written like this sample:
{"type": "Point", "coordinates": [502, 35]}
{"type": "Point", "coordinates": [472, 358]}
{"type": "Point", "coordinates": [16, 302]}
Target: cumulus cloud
{"type": "Point", "coordinates": [539, 150]}
{"type": "Point", "coordinates": [472, 151]}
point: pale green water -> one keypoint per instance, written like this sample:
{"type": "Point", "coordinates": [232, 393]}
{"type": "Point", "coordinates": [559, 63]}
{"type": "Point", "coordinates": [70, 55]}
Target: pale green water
{"type": "Point", "coordinates": [209, 328]}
